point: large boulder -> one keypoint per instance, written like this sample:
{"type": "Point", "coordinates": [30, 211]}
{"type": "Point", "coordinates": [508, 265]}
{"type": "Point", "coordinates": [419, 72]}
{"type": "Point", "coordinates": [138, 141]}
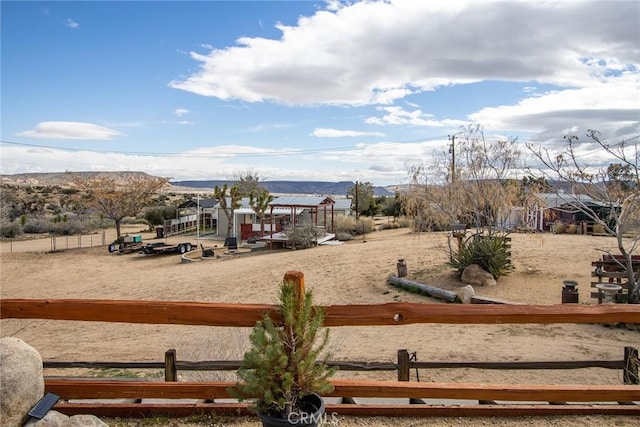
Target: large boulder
{"type": "Point", "coordinates": [21, 379]}
{"type": "Point", "coordinates": [56, 419]}
{"type": "Point", "coordinates": [475, 275]}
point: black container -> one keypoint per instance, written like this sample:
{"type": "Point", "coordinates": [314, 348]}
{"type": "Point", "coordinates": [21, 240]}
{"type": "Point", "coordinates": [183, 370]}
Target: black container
{"type": "Point", "coordinates": [311, 414]}
{"type": "Point", "coordinates": [570, 292]}
{"type": "Point", "coordinates": [231, 243]}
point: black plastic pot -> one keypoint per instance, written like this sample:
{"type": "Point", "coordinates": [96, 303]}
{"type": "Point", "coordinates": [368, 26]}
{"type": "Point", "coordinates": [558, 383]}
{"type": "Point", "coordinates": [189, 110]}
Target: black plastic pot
{"type": "Point", "coordinates": [311, 412]}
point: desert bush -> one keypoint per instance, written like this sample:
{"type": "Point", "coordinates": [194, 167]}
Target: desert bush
{"type": "Point", "coordinates": [399, 222]}
{"type": "Point", "coordinates": [344, 224]}
{"type": "Point", "coordinates": [364, 225]}
{"type": "Point", "coordinates": [10, 230]}
{"type": "Point", "coordinates": [69, 227]}
{"type": "Point", "coordinates": [65, 228]}
{"type": "Point", "coordinates": [404, 222]}
{"type": "Point", "coordinates": [491, 252]}
{"type": "Point", "coordinates": [37, 226]}
{"type": "Point", "coordinates": [389, 226]}
{"type": "Point", "coordinates": [130, 220]}
{"type": "Point", "coordinates": [303, 235]}
{"type": "Point", "coordinates": [344, 237]}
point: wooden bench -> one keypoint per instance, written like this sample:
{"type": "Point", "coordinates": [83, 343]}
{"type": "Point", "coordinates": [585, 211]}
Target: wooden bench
{"type": "Point", "coordinates": [611, 269]}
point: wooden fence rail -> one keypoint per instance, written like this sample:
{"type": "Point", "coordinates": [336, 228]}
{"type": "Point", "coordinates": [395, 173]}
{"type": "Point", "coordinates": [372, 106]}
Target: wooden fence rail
{"type": "Point", "coordinates": [232, 365]}
{"type": "Point", "coordinates": [246, 315]}
{"type": "Point", "coordinates": [110, 389]}
{"type": "Point", "coordinates": [628, 365]}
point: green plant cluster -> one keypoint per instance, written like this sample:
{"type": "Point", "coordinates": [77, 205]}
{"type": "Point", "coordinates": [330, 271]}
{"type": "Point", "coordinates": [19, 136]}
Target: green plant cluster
{"type": "Point", "coordinates": [492, 252]}
{"type": "Point", "coordinates": [288, 362]}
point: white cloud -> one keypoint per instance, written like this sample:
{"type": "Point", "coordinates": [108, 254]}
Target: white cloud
{"type": "Point", "coordinates": [612, 106]}
{"type": "Point", "coordinates": [400, 116]}
{"type": "Point", "coordinates": [337, 133]}
{"type": "Point", "coordinates": [377, 52]}
{"type": "Point", "coordinates": [70, 130]}
{"type": "Point", "coordinates": [180, 112]}
{"type": "Point", "coordinates": [71, 23]}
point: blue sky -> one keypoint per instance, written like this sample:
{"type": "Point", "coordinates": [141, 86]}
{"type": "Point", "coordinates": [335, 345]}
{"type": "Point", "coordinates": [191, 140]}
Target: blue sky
{"type": "Point", "coordinates": [305, 90]}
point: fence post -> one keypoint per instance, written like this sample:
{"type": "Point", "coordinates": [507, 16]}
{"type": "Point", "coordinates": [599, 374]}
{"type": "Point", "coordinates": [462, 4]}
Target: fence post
{"type": "Point", "coordinates": [631, 362]}
{"type": "Point", "coordinates": [170, 369]}
{"type": "Point", "coordinates": [404, 366]}
{"type": "Point", "coordinates": [297, 277]}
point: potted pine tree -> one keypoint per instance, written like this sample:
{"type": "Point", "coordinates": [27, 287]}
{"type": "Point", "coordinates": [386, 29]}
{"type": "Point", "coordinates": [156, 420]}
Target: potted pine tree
{"type": "Point", "coordinates": [285, 370]}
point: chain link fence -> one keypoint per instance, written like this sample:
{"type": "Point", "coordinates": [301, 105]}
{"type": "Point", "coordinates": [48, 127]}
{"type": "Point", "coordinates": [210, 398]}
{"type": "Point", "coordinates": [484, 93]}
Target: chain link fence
{"type": "Point", "coordinates": [53, 242]}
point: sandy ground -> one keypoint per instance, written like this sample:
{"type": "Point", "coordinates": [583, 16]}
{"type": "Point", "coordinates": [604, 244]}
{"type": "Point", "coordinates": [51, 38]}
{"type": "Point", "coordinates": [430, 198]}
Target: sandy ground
{"type": "Point", "coordinates": [353, 273]}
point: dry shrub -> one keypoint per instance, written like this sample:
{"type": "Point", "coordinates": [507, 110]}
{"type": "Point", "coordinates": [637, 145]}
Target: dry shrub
{"type": "Point", "coordinates": [364, 225]}
{"type": "Point", "coordinates": [344, 237]}
{"type": "Point", "coordinates": [344, 224]}
{"type": "Point", "coordinates": [560, 228]}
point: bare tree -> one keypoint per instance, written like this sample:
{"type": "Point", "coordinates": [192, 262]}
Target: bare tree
{"type": "Point", "coordinates": [248, 181]}
{"type": "Point", "coordinates": [118, 197]}
{"type": "Point", "coordinates": [614, 188]}
{"type": "Point", "coordinates": [474, 188]}
{"type": "Point", "coordinates": [482, 180]}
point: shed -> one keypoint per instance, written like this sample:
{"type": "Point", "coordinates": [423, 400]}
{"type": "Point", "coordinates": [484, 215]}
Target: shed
{"type": "Point", "coordinates": [287, 211]}
{"type": "Point", "coordinates": [295, 209]}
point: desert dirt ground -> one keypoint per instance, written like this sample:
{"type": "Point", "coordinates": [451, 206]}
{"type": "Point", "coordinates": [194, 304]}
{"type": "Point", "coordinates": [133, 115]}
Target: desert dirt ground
{"type": "Point", "coordinates": [353, 273]}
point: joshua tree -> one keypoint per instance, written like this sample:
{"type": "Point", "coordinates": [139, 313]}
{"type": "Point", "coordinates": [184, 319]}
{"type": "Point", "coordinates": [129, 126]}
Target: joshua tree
{"type": "Point", "coordinates": [228, 203]}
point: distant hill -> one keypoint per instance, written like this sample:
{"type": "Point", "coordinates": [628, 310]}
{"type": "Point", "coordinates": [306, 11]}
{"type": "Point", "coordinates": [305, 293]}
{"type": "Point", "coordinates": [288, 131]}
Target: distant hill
{"type": "Point", "coordinates": [276, 187]}
{"type": "Point", "coordinates": [60, 178]}
{"type": "Point", "coordinates": [289, 187]}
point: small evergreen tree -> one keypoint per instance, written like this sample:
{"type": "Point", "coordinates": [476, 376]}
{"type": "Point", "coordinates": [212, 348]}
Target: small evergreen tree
{"type": "Point", "coordinates": [287, 359]}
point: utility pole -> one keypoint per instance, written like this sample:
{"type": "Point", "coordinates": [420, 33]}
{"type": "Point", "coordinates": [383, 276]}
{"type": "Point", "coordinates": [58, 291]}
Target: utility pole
{"type": "Point", "coordinates": [357, 205]}
{"type": "Point", "coordinates": [452, 150]}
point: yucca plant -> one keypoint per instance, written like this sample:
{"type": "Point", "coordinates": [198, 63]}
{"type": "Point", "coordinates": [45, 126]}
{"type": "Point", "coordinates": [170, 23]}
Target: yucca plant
{"type": "Point", "coordinates": [492, 252]}
{"type": "Point", "coordinates": [287, 359]}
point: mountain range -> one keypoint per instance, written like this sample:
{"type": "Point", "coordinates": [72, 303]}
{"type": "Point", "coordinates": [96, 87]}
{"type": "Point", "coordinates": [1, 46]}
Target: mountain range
{"type": "Point", "coordinates": [274, 187]}
{"type": "Point", "coordinates": [291, 187]}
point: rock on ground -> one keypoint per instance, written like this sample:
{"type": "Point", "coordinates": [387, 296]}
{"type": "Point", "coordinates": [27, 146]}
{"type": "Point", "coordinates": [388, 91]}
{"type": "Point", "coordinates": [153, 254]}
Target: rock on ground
{"type": "Point", "coordinates": [476, 276]}
{"type": "Point", "coordinates": [465, 294]}
{"type": "Point", "coordinates": [56, 419]}
{"type": "Point", "coordinates": [21, 379]}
